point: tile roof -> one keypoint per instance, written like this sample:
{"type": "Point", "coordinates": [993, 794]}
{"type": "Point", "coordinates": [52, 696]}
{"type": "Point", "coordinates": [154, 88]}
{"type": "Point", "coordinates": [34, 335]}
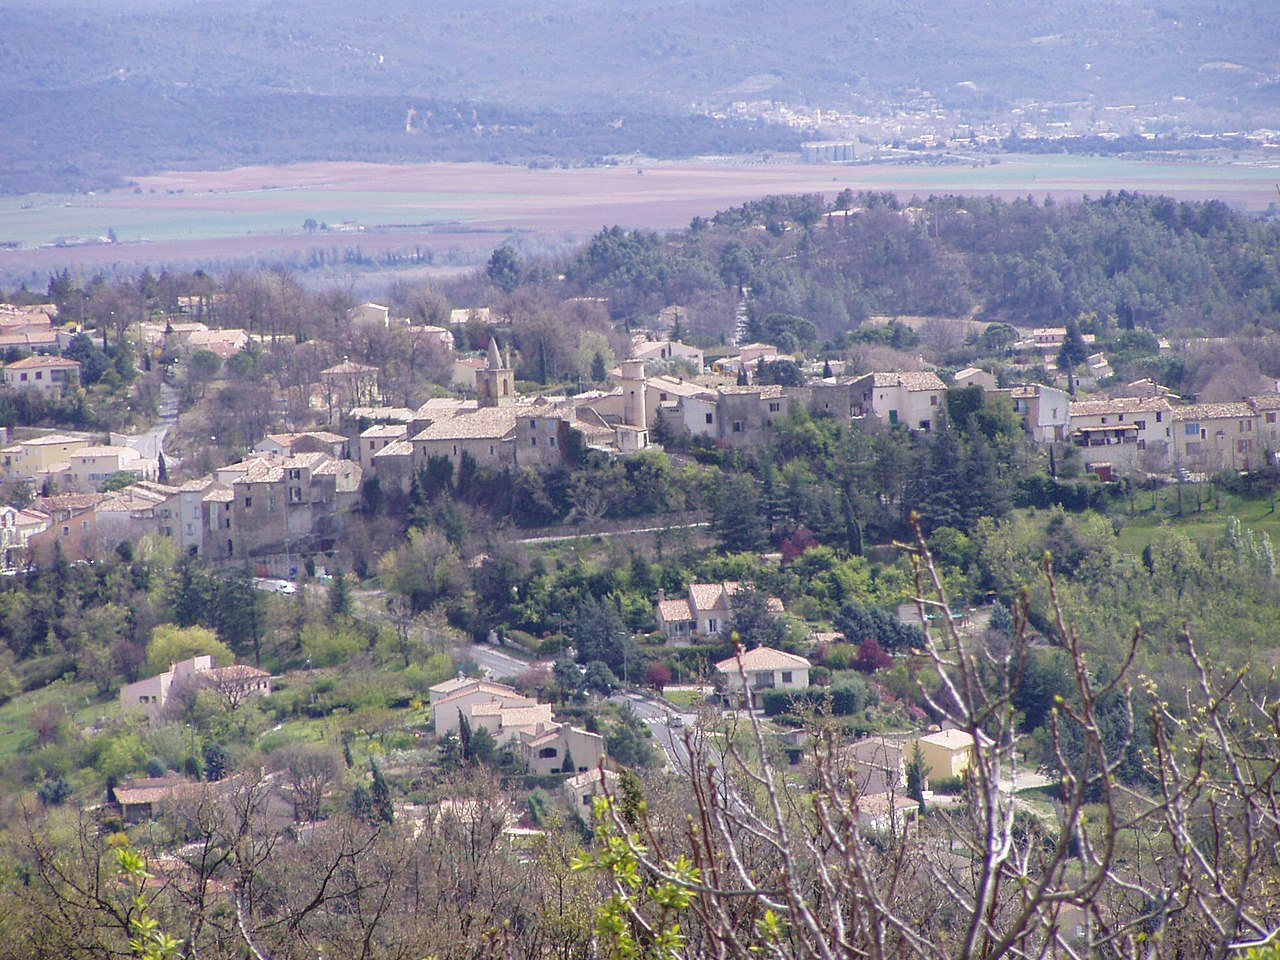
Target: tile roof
{"type": "Point", "coordinates": [486, 423]}
{"type": "Point", "coordinates": [709, 596]}
{"type": "Point", "coordinates": [1214, 411]}
{"type": "Point", "coordinates": [768, 391]}
{"type": "Point", "coordinates": [1098, 408]}
{"type": "Point", "coordinates": [671, 611]}
{"type": "Point", "coordinates": [51, 439]}
{"type": "Point", "coordinates": [397, 448]}
{"type": "Point", "coordinates": [378, 430]}
{"type": "Point", "coordinates": [34, 363]}
{"type": "Point", "coordinates": [236, 673]}
{"type": "Point", "coordinates": [763, 658]}
{"type": "Point", "coordinates": [921, 380]}
{"type": "Point", "coordinates": [949, 739]}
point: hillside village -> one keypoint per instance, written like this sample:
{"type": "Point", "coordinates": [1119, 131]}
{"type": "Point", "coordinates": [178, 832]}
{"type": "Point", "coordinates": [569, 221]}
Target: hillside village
{"type": "Point", "coordinates": [438, 582]}
{"type": "Point", "coordinates": [287, 497]}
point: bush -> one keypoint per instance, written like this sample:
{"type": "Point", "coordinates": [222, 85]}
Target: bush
{"type": "Point", "coordinates": [848, 697]}
{"type": "Point", "coordinates": [950, 786]}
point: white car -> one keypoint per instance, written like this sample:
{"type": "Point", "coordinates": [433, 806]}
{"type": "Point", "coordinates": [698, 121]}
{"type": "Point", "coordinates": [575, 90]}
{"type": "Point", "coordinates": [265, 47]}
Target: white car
{"type": "Point", "coordinates": [275, 586]}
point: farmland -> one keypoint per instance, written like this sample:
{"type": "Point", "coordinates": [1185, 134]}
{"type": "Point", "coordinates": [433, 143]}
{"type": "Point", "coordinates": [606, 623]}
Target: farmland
{"type": "Point", "coordinates": [454, 214]}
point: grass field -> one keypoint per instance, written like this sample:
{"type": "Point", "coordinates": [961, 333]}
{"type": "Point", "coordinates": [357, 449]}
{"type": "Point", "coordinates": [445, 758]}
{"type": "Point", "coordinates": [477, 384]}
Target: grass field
{"type": "Point", "coordinates": [1204, 524]}
{"type": "Point", "coordinates": [258, 212]}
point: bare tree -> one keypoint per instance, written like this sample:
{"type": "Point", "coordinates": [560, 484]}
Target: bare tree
{"type": "Point", "coordinates": [1183, 865]}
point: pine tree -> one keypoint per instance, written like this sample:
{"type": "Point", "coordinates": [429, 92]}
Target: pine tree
{"type": "Point", "coordinates": [162, 471]}
{"type": "Point", "coordinates": [380, 794]}
{"type": "Point", "coordinates": [917, 774]}
{"type": "Point", "coordinates": [568, 766]}
{"type": "Point", "coordinates": [339, 595]}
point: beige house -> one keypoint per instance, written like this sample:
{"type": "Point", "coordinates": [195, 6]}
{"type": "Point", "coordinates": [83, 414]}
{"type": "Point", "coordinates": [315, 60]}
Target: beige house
{"type": "Point", "coordinates": [947, 753]}
{"type": "Point", "coordinates": [375, 438]}
{"type": "Point", "coordinates": [1216, 436]}
{"type": "Point", "coordinates": [88, 467]}
{"type": "Point", "coordinates": [764, 668]}
{"type": "Point", "coordinates": [48, 375]}
{"type": "Point", "coordinates": [29, 459]}
{"type": "Point", "coordinates": [1120, 430]}
{"type": "Point", "coordinates": [704, 612]}
{"type": "Point", "coordinates": [460, 700]}
{"type": "Point", "coordinates": [153, 693]}
{"type": "Point", "coordinates": [549, 751]}
{"type": "Point", "coordinates": [234, 682]}
{"type": "Point", "coordinates": [581, 789]}
{"type": "Point", "coordinates": [974, 377]}
{"type": "Point", "coordinates": [665, 351]}
{"type": "Point", "coordinates": [17, 527]}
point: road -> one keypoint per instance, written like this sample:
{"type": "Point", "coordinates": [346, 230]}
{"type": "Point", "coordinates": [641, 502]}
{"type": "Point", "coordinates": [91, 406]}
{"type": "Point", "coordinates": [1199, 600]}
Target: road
{"type": "Point", "coordinates": [149, 443]}
{"type": "Point", "coordinates": [500, 664]}
{"type": "Point", "coordinates": [657, 716]}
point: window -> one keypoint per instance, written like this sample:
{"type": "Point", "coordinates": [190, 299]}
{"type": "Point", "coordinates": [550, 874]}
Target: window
{"type": "Point", "coordinates": [271, 504]}
{"type": "Point", "coordinates": [737, 426]}
{"type": "Point", "coordinates": [551, 441]}
{"type": "Point", "coordinates": [22, 376]}
{"type": "Point", "coordinates": [248, 503]}
{"type": "Point", "coordinates": [709, 418]}
{"type": "Point", "coordinates": [533, 441]}
{"type": "Point", "coordinates": [1121, 418]}
{"type": "Point", "coordinates": [926, 425]}
{"type": "Point", "coordinates": [39, 374]}
{"type": "Point", "coordinates": [1140, 424]}
{"type": "Point", "coordinates": [533, 424]}
{"type": "Point", "coordinates": [933, 399]}
{"type": "Point", "coordinates": [713, 626]}
{"type": "Point", "coordinates": [1271, 417]}
{"type": "Point", "coordinates": [1191, 429]}
{"type": "Point", "coordinates": [786, 676]}
{"type": "Point", "coordinates": [1159, 417]}
{"type": "Point", "coordinates": [547, 753]}
{"type": "Point", "coordinates": [775, 406]}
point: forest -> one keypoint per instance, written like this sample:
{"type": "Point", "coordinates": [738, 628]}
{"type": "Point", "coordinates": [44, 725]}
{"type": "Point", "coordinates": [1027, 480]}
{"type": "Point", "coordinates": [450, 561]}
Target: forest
{"type": "Point", "coordinates": [1151, 831]}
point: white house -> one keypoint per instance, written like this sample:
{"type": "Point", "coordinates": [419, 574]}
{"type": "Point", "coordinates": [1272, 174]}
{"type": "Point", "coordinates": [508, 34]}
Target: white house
{"type": "Point", "coordinates": [764, 669]}
{"type": "Point", "coordinates": [916, 400]}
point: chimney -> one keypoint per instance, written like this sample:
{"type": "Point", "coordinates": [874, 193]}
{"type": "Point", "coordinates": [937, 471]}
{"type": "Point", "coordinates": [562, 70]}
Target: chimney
{"type": "Point", "coordinates": [662, 595]}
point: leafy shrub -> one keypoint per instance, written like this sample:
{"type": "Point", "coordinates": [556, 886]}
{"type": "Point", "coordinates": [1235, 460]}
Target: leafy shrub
{"type": "Point", "coordinates": [951, 786]}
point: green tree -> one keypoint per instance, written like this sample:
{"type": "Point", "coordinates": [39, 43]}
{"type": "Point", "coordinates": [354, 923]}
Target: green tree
{"type": "Point", "coordinates": [339, 594]}
{"type": "Point", "coordinates": [380, 794]}
{"type": "Point", "coordinates": [171, 644]}
{"type": "Point", "coordinates": [504, 269]}
{"type": "Point", "coordinates": [217, 762]}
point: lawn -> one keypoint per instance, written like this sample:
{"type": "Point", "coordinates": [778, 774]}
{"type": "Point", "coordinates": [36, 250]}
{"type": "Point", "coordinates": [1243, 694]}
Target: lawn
{"type": "Point", "coordinates": [1203, 524]}
{"type": "Point", "coordinates": [15, 716]}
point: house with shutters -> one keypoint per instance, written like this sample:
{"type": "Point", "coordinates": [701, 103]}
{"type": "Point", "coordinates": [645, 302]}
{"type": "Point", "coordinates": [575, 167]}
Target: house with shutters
{"type": "Point", "coordinates": [912, 399]}
{"type": "Point", "coordinates": [703, 612]}
{"type": "Point", "coordinates": [748, 676]}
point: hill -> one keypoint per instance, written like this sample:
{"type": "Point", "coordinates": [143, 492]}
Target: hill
{"type": "Point", "coordinates": [97, 91]}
